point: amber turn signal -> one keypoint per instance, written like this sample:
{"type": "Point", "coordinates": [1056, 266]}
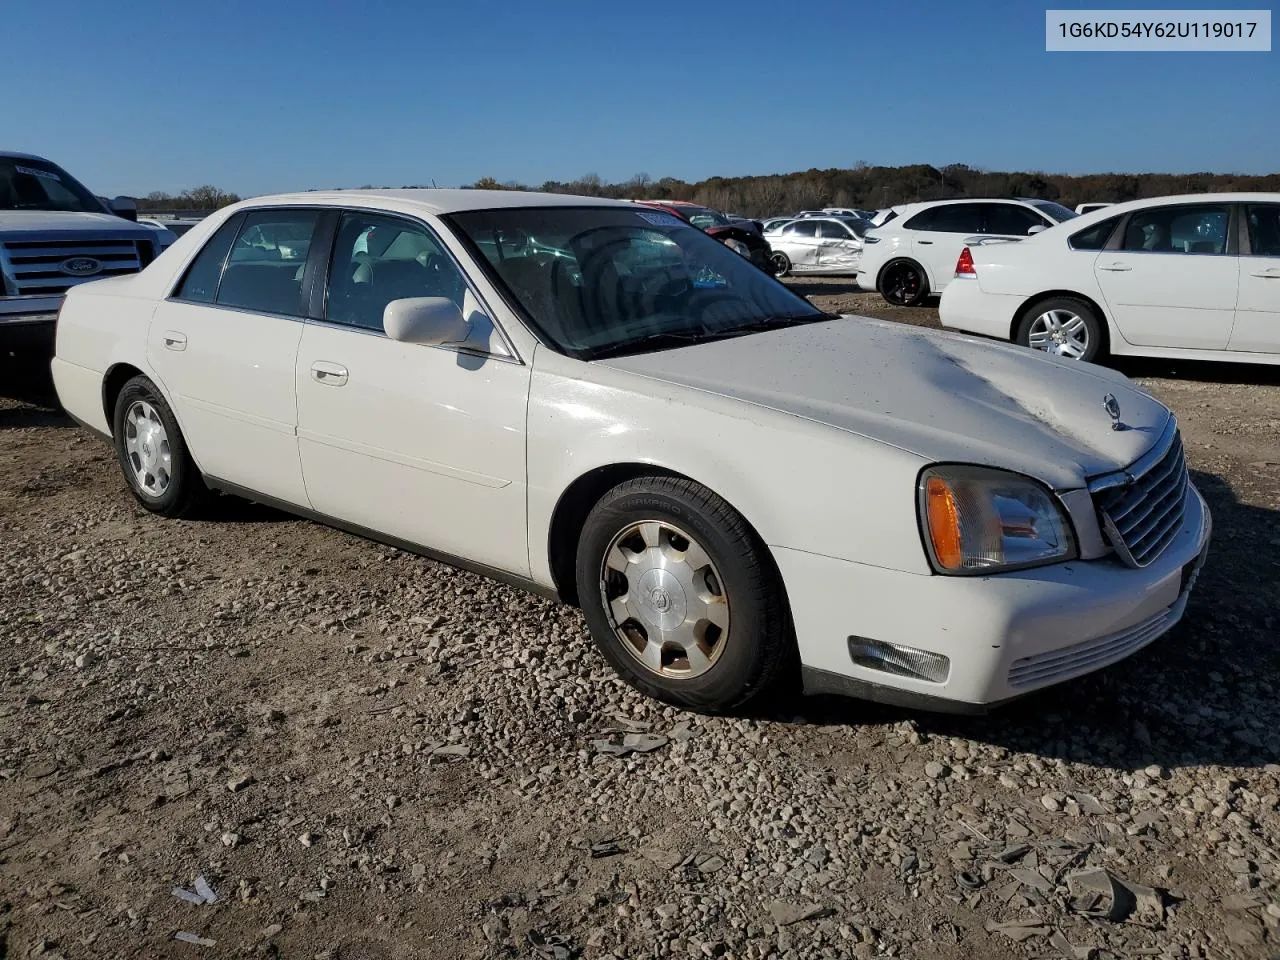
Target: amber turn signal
{"type": "Point", "coordinates": [944, 523]}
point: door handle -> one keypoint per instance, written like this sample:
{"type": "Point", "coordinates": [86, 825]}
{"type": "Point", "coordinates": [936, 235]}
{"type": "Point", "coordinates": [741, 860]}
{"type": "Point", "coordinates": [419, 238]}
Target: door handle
{"type": "Point", "coordinates": [1272, 273]}
{"type": "Point", "coordinates": [1115, 267]}
{"type": "Point", "coordinates": [173, 340]}
{"type": "Point", "coordinates": [925, 243]}
{"type": "Point", "coordinates": [330, 374]}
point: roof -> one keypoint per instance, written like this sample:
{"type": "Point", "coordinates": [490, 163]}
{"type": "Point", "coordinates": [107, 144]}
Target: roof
{"type": "Point", "coordinates": [438, 200]}
{"type": "Point", "coordinates": [12, 155]}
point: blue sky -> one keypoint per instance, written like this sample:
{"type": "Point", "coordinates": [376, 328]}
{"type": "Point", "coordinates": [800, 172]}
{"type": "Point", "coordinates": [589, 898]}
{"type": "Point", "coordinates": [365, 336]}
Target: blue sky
{"type": "Point", "coordinates": [268, 96]}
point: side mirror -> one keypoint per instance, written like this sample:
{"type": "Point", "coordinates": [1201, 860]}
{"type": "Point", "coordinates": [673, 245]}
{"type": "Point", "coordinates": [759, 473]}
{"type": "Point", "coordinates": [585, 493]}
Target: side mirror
{"type": "Point", "coordinates": [1038, 228]}
{"type": "Point", "coordinates": [124, 207]}
{"type": "Point", "coordinates": [428, 321]}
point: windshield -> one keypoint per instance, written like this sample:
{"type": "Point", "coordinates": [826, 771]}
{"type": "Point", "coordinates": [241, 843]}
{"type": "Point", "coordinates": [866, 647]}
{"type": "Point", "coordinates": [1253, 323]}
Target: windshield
{"type": "Point", "coordinates": [39, 185]}
{"type": "Point", "coordinates": [609, 280]}
{"type": "Point", "coordinates": [1055, 210]}
{"type": "Point", "coordinates": [702, 217]}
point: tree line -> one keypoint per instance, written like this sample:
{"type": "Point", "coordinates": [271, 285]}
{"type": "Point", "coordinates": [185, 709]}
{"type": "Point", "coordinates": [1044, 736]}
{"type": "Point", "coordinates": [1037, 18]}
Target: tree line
{"type": "Point", "coordinates": [859, 186]}
{"type": "Point", "coordinates": [865, 186]}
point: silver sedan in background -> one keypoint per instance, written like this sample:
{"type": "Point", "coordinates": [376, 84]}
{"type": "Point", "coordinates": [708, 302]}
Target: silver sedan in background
{"type": "Point", "coordinates": [817, 245]}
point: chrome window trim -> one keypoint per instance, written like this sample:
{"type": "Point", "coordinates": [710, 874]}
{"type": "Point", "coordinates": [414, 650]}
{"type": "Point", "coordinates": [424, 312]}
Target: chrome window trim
{"type": "Point", "coordinates": [513, 356]}
{"type": "Point", "coordinates": [1143, 465]}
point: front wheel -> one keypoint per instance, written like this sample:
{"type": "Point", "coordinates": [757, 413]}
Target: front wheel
{"type": "Point", "coordinates": [152, 452]}
{"type": "Point", "coordinates": [781, 263]}
{"type": "Point", "coordinates": [903, 283]}
{"type": "Point", "coordinates": [681, 596]}
{"type": "Point", "coordinates": [1062, 327]}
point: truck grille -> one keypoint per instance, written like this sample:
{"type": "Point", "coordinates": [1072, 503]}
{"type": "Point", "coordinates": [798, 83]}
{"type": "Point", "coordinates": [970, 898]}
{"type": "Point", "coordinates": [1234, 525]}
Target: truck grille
{"type": "Point", "coordinates": [34, 267]}
{"type": "Point", "coordinates": [1141, 508]}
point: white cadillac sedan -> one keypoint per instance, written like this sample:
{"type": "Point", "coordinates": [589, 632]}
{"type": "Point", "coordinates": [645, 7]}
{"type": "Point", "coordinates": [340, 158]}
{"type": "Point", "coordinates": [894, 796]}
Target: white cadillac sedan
{"type": "Point", "coordinates": [1189, 277]}
{"type": "Point", "coordinates": [604, 404]}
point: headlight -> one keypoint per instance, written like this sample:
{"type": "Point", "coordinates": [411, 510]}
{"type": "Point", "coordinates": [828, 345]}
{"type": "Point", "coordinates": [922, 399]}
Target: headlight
{"type": "Point", "coordinates": [977, 520]}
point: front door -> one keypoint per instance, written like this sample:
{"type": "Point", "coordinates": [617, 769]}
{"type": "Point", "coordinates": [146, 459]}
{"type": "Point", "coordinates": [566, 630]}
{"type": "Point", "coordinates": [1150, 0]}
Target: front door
{"type": "Point", "coordinates": [423, 444]}
{"type": "Point", "coordinates": [1257, 327]}
{"type": "Point", "coordinates": [1173, 282]}
{"type": "Point", "coordinates": [225, 346]}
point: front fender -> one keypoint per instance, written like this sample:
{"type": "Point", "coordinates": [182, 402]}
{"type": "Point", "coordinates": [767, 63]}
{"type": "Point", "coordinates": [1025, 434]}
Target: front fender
{"type": "Point", "coordinates": [800, 484]}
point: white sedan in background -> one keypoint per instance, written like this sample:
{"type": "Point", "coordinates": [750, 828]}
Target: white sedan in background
{"type": "Point", "coordinates": [1189, 277]}
{"type": "Point", "coordinates": [830, 245]}
{"type": "Point", "coordinates": [912, 253]}
{"type": "Point", "coordinates": [601, 403]}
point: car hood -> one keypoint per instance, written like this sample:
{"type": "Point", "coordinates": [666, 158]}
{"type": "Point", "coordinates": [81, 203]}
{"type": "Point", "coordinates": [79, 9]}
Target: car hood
{"type": "Point", "coordinates": [59, 221]}
{"type": "Point", "coordinates": [941, 396]}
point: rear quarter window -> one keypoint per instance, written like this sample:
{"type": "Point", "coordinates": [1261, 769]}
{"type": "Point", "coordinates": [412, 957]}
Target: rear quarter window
{"type": "Point", "coordinates": [1094, 237]}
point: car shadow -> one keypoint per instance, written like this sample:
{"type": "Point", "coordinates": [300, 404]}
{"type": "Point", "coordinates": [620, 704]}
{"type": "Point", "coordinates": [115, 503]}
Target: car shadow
{"type": "Point", "coordinates": [835, 287]}
{"type": "Point", "coordinates": [1203, 694]}
{"type": "Point", "coordinates": [1206, 371]}
{"type": "Point", "coordinates": [27, 380]}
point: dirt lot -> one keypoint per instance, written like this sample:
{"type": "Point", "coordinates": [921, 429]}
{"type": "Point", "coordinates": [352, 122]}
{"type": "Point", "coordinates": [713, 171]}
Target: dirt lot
{"type": "Point", "coordinates": [368, 755]}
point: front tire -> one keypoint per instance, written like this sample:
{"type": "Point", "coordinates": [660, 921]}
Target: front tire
{"type": "Point", "coordinates": [781, 263]}
{"type": "Point", "coordinates": [152, 452]}
{"type": "Point", "coordinates": [903, 283]}
{"type": "Point", "coordinates": [1063, 327]}
{"type": "Point", "coordinates": [681, 596]}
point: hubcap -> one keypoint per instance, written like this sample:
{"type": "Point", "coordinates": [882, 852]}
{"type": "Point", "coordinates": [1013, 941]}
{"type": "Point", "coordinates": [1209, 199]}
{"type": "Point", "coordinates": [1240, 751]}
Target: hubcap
{"type": "Point", "coordinates": [665, 599]}
{"type": "Point", "coordinates": [1061, 333]}
{"type": "Point", "coordinates": [146, 445]}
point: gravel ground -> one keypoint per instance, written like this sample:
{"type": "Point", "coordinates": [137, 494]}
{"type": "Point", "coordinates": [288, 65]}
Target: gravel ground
{"type": "Point", "coordinates": [361, 754]}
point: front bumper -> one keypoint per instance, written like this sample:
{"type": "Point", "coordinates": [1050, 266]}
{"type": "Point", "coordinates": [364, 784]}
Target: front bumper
{"type": "Point", "coordinates": [1005, 635]}
{"type": "Point", "coordinates": [27, 324]}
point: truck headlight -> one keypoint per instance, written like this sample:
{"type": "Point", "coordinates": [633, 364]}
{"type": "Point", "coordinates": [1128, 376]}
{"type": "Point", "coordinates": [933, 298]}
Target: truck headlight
{"type": "Point", "coordinates": [977, 520]}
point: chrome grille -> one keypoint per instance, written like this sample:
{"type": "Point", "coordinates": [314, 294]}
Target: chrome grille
{"type": "Point", "coordinates": [33, 267]}
{"type": "Point", "coordinates": [1141, 507]}
{"type": "Point", "coordinates": [1092, 654]}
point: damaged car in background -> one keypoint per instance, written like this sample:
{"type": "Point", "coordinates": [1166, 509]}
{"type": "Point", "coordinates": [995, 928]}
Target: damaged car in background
{"type": "Point", "coordinates": [620, 412]}
{"type": "Point", "coordinates": [831, 245]}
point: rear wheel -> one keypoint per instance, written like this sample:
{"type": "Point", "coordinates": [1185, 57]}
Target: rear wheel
{"type": "Point", "coordinates": [681, 597]}
{"type": "Point", "coordinates": [1063, 327]}
{"type": "Point", "coordinates": [781, 263]}
{"type": "Point", "coordinates": [903, 283]}
{"type": "Point", "coordinates": [152, 453]}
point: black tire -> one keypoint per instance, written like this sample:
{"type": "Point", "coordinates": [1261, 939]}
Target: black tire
{"type": "Point", "coordinates": [184, 489]}
{"type": "Point", "coordinates": [903, 283]}
{"type": "Point", "coordinates": [759, 644]}
{"type": "Point", "coordinates": [781, 263]}
{"type": "Point", "coordinates": [1095, 350]}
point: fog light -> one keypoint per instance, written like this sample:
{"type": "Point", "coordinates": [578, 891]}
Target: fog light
{"type": "Point", "coordinates": [898, 660]}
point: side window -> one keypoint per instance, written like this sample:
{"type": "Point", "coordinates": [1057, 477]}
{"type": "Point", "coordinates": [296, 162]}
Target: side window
{"type": "Point", "coordinates": [1095, 237]}
{"type": "Point", "coordinates": [264, 270]}
{"type": "Point", "coordinates": [1264, 229]}
{"type": "Point", "coordinates": [1011, 220]}
{"type": "Point", "coordinates": [801, 228]}
{"type": "Point", "coordinates": [951, 218]}
{"type": "Point", "coordinates": [1199, 228]}
{"type": "Point", "coordinates": [201, 282]}
{"type": "Point", "coordinates": [830, 230]}
{"type": "Point", "coordinates": [378, 259]}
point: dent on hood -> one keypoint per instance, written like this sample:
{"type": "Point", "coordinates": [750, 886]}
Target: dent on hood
{"type": "Point", "coordinates": [1003, 391]}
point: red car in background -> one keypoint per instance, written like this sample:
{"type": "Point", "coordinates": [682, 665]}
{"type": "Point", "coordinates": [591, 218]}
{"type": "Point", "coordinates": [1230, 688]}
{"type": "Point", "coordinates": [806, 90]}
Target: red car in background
{"type": "Point", "coordinates": [741, 236]}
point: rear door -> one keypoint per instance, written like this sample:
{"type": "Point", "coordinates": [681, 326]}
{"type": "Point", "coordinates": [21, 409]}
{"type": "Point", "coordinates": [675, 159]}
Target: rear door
{"type": "Point", "coordinates": [225, 343]}
{"type": "Point", "coordinates": [1174, 278]}
{"type": "Point", "coordinates": [1257, 326]}
{"type": "Point", "coordinates": [938, 235]}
